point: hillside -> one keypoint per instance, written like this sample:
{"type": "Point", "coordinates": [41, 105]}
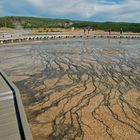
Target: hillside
{"type": "Point", "coordinates": [35, 22]}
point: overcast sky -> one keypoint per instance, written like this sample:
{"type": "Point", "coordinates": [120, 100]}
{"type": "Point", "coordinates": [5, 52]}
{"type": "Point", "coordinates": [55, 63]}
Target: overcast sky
{"type": "Point", "coordinates": [94, 10]}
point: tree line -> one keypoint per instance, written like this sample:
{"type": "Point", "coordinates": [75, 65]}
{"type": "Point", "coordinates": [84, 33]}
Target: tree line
{"type": "Point", "coordinates": [36, 22]}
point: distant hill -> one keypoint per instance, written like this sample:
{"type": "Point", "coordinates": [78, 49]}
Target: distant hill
{"type": "Point", "coordinates": [36, 22]}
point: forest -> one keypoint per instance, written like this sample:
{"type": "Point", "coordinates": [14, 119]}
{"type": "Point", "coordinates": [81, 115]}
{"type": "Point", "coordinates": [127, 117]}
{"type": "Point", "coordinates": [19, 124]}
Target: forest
{"type": "Point", "coordinates": [37, 22]}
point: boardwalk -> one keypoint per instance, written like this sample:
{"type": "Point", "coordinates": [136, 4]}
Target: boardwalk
{"type": "Point", "coordinates": [13, 123]}
{"type": "Point", "coordinates": [38, 37]}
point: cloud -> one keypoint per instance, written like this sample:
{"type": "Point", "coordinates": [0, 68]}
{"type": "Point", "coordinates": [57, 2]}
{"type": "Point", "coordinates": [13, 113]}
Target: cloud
{"type": "Point", "coordinates": [16, 7]}
{"type": "Point", "coordinates": [128, 11]}
{"type": "Point", "coordinates": [101, 10]}
{"type": "Point", "coordinates": [116, 10]}
{"type": "Point", "coordinates": [80, 8]}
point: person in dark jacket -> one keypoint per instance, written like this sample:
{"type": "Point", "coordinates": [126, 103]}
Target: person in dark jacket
{"type": "Point", "coordinates": [109, 31]}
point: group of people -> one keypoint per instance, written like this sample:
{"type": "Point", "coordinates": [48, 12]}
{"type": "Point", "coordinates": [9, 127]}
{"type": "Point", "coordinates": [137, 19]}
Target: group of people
{"type": "Point", "coordinates": [109, 31]}
{"type": "Point", "coordinates": [88, 30]}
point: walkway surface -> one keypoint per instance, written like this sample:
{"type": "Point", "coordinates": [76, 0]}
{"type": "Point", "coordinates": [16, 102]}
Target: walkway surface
{"type": "Point", "coordinates": [41, 37]}
{"type": "Point", "coordinates": [13, 123]}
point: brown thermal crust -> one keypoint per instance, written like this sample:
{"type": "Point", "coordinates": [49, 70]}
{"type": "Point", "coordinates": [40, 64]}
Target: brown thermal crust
{"type": "Point", "coordinates": [83, 94]}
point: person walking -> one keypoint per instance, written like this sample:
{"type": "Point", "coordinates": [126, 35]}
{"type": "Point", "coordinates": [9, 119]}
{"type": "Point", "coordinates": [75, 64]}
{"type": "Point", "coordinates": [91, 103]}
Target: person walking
{"type": "Point", "coordinates": [84, 31]}
{"type": "Point", "coordinates": [88, 30]}
{"type": "Point", "coordinates": [109, 31]}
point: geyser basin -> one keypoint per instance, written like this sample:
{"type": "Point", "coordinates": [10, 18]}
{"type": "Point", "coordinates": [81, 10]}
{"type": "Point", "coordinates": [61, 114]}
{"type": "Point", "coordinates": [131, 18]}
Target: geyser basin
{"type": "Point", "coordinates": [78, 88]}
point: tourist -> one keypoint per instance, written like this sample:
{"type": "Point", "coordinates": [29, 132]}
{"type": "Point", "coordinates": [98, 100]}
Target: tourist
{"type": "Point", "coordinates": [109, 31]}
{"type": "Point", "coordinates": [88, 30]}
{"type": "Point", "coordinates": [84, 30]}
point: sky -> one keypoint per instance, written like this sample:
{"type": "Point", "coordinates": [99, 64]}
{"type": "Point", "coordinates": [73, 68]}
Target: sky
{"type": "Point", "coordinates": [91, 10]}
